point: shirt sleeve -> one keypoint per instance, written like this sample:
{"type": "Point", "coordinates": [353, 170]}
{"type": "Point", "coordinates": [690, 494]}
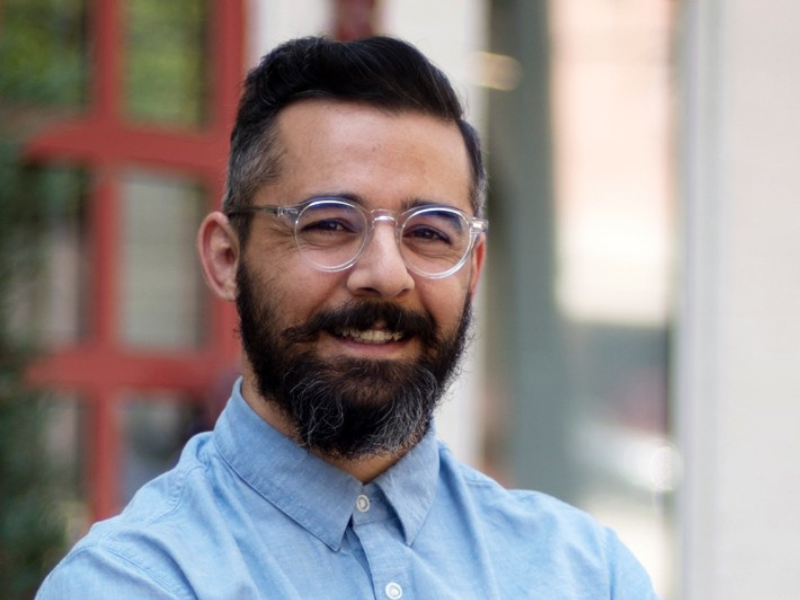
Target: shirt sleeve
{"type": "Point", "coordinates": [94, 574]}
{"type": "Point", "coordinates": [629, 580]}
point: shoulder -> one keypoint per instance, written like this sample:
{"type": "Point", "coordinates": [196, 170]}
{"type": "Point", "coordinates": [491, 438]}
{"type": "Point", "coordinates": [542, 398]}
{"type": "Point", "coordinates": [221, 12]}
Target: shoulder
{"type": "Point", "coordinates": [543, 532]}
{"type": "Point", "coordinates": [140, 552]}
{"type": "Point", "coordinates": [494, 498]}
{"type": "Point", "coordinates": [527, 511]}
{"type": "Point", "coordinates": [91, 571]}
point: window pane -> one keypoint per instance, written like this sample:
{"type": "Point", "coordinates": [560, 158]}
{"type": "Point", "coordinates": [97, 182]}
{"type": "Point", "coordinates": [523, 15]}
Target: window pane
{"type": "Point", "coordinates": [162, 299]}
{"type": "Point", "coordinates": [43, 51]}
{"type": "Point", "coordinates": [166, 61]}
{"type": "Point", "coordinates": [44, 223]}
{"type": "Point", "coordinates": [156, 428]}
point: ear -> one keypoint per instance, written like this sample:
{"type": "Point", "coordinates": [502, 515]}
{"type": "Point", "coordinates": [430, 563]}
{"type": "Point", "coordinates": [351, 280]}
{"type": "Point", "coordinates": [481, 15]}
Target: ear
{"type": "Point", "coordinates": [478, 257]}
{"type": "Point", "coordinates": [218, 247]}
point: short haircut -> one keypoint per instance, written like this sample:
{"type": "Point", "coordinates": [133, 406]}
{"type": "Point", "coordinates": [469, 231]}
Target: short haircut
{"type": "Point", "coordinates": [383, 72]}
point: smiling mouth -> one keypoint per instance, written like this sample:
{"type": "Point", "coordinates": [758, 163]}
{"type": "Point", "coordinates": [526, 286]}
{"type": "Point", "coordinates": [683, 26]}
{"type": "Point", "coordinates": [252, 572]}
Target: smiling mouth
{"type": "Point", "coordinates": [370, 336]}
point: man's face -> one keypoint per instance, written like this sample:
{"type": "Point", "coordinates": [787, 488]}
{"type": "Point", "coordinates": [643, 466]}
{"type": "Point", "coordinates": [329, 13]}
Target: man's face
{"type": "Point", "coordinates": [356, 359]}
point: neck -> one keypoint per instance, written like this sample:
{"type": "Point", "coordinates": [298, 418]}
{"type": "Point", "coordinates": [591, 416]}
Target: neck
{"type": "Point", "coordinates": [365, 469]}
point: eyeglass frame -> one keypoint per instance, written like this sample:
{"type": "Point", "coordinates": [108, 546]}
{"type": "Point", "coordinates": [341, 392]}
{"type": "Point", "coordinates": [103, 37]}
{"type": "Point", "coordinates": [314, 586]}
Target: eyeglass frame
{"type": "Point", "coordinates": [292, 213]}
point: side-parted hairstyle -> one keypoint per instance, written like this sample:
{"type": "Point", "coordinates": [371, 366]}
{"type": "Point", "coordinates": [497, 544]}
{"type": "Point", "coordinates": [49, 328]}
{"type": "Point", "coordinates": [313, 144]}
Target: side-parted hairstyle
{"type": "Point", "coordinates": [383, 72]}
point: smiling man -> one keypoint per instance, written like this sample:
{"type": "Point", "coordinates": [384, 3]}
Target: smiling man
{"type": "Point", "coordinates": [354, 304]}
{"type": "Point", "coordinates": [351, 241]}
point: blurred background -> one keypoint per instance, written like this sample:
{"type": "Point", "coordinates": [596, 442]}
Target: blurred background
{"type": "Point", "coordinates": [637, 338]}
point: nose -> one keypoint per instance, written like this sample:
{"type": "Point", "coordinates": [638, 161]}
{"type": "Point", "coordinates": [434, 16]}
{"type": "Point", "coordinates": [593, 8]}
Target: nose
{"type": "Point", "coordinates": [381, 271]}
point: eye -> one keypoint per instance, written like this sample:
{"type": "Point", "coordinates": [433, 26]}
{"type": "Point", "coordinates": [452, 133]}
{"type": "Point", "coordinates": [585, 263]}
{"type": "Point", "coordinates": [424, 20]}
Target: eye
{"type": "Point", "coordinates": [426, 233]}
{"type": "Point", "coordinates": [327, 225]}
{"type": "Point", "coordinates": [330, 219]}
{"type": "Point", "coordinates": [435, 228]}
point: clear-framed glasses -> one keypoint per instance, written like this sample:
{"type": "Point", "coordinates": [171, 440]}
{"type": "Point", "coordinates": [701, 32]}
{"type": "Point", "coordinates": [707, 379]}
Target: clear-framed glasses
{"type": "Point", "coordinates": [332, 233]}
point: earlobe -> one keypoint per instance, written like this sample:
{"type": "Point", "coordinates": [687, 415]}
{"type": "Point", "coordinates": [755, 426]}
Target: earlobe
{"type": "Point", "coordinates": [218, 247]}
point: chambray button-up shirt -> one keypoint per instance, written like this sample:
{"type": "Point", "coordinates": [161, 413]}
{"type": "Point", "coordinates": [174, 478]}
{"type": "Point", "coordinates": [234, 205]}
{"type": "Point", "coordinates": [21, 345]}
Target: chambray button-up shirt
{"type": "Point", "coordinates": [247, 513]}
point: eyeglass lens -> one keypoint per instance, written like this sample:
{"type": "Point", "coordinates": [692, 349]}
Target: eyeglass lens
{"type": "Point", "coordinates": [332, 234]}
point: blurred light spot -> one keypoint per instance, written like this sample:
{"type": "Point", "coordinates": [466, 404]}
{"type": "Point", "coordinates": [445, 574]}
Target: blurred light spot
{"type": "Point", "coordinates": [666, 468]}
{"type": "Point", "coordinates": [638, 458]}
{"type": "Point", "coordinates": [495, 71]}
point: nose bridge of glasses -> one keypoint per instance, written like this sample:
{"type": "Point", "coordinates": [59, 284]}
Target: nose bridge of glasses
{"type": "Point", "coordinates": [383, 215]}
{"type": "Point", "coordinates": [376, 216]}
{"type": "Point", "coordinates": [380, 215]}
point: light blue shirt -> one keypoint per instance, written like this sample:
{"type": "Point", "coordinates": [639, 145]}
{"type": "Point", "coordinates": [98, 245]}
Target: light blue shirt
{"type": "Point", "coordinates": [247, 513]}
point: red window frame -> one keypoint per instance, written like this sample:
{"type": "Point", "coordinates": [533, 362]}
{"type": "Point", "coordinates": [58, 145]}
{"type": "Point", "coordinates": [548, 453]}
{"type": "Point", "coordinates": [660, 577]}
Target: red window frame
{"type": "Point", "coordinates": [100, 367]}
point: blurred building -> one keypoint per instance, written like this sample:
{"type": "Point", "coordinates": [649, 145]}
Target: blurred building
{"type": "Point", "coordinates": [120, 112]}
{"type": "Point", "coordinates": [636, 337]}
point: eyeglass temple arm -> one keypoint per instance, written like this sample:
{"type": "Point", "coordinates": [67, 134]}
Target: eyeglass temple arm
{"type": "Point", "coordinates": [279, 211]}
{"type": "Point", "coordinates": [237, 209]}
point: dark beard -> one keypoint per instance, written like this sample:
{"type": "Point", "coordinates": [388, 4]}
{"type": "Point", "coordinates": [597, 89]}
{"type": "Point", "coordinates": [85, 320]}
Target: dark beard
{"type": "Point", "coordinates": [348, 407]}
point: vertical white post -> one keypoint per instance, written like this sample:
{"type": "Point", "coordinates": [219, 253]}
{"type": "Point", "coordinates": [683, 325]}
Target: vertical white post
{"type": "Point", "coordinates": [738, 339]}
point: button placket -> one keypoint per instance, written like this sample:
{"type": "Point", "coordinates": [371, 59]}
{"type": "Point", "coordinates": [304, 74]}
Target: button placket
{"type": "Point", "coordinates": [380, 534]}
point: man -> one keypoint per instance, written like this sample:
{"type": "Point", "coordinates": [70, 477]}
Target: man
{"type": "Point", "coordinates": [351, 240]}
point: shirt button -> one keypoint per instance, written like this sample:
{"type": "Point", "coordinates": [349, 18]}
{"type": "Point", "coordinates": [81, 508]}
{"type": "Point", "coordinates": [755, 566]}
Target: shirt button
{"type": "Point", "coordinates": [394, 591]}
{"type": "Point", "coordinates": [362, 504]}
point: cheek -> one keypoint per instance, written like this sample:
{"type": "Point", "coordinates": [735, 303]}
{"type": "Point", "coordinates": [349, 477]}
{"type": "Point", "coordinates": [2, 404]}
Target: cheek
{"type": "Point", "coordinates": [302, 290]}
{"type": "Point", "coordinates": [295, 289]}
{"type": "Point", "coordinates": [444, 300]}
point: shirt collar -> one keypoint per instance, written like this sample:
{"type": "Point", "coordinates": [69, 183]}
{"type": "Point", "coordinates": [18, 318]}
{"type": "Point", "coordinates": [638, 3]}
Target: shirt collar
{"type": "Point", "coordinates": [410, 485]}
{"type": "Point", "coordinates": [312, 492]}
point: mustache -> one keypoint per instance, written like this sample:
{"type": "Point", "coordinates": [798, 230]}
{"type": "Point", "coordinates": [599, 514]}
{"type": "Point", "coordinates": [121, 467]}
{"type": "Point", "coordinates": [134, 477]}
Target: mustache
{"type": "Point", "coordinates": [362, 315]}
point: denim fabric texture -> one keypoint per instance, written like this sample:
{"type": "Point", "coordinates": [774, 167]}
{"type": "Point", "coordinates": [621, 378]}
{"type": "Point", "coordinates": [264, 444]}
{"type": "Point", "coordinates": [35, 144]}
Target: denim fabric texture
{"type": "Point", "coordinates": [247, 513]}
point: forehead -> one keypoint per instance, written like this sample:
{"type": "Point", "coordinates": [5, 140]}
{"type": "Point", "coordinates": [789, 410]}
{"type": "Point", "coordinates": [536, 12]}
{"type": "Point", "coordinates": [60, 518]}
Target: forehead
{"type": "Point", "coordinates": [386, 158]}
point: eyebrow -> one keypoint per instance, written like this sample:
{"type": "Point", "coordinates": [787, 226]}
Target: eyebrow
{"type": "Point", "coordinates": [358, 199]}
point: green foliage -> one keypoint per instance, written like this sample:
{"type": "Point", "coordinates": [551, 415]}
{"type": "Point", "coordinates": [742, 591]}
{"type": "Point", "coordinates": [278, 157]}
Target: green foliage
{"type": "Point", "coordinates": [43, 51]}
{"type": "Point", "coordinates": [32, 531]}
{"type": "Point", "coordinates": [31, 528]}
{"type": "Point", "coordinates": [166, 60]}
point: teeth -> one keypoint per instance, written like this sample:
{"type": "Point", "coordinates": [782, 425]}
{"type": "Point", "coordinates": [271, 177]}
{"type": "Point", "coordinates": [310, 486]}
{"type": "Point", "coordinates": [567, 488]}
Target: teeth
{"type": "Point", "coordinates": [372, 336]}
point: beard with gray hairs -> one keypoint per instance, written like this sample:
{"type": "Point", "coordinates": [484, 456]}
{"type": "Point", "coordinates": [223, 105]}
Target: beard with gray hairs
{"type": "Point", "coordinates": [348, 407]}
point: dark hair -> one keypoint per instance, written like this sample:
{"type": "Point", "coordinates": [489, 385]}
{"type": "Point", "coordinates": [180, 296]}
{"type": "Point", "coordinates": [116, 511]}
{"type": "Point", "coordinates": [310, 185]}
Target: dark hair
{"type": "Point", "coordinates": [380, 71]}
